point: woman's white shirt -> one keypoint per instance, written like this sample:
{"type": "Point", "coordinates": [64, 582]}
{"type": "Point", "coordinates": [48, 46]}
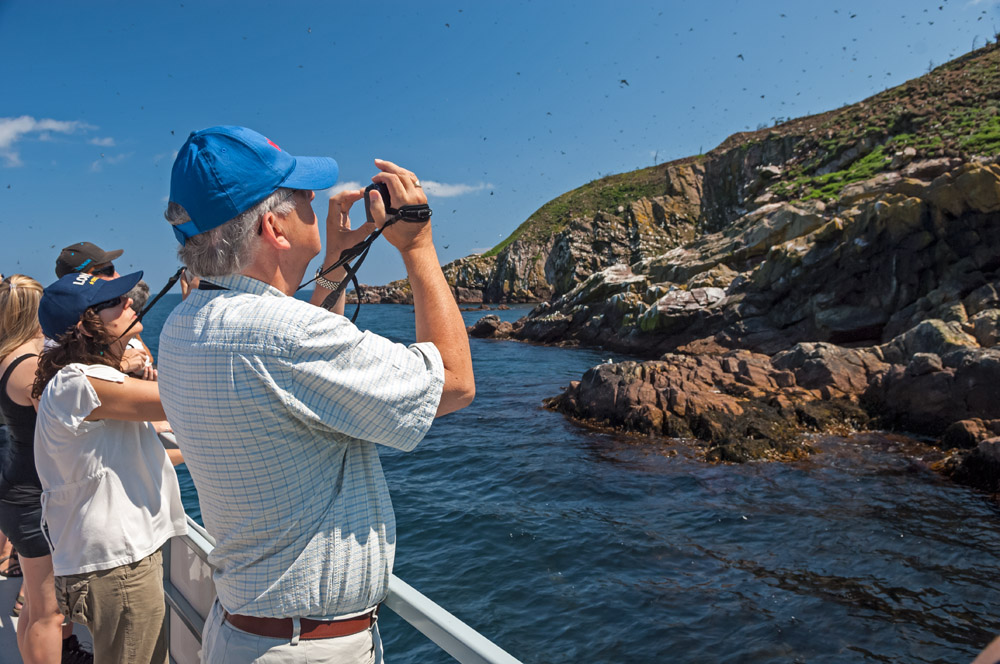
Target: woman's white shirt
{"type": "Point", "coordinates": [110, 495]}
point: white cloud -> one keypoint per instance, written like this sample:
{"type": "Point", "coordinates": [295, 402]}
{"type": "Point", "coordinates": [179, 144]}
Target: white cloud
{"type": "Point", "coordinates": [439, 189]}
{"type": "Point", "coordinates": [99, 164]}
{"type": "Point", "coordinates": [443, 190]}
{"type": "Point", "coordinates": [171, 156]}
{"type": "Point", "coordinates": [104, 142]}
{"type": "Point", "coordinates": [12, 130]}
{"type": "Point", "coordinates": [342, 186]}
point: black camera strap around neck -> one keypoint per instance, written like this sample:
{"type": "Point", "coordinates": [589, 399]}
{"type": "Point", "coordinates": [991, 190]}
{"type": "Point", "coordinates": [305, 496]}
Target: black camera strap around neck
{"type": "Point", "coordinates": [149, 305]}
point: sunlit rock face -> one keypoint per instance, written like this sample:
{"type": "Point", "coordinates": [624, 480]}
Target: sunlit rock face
{"type": "Point", "coordinates": [903, 251]}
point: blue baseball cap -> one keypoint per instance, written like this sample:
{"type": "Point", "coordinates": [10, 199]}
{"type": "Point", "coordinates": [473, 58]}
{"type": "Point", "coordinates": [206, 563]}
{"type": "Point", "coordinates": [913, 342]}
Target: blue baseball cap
{"type": "Point", "coordinates": [221, 172]}
{"type": "Point", "coordinates": [64, 301]}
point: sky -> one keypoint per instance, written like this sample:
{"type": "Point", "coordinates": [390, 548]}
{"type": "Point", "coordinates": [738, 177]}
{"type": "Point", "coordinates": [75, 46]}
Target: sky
{"type": "Point", "coordinates": [498, 107]}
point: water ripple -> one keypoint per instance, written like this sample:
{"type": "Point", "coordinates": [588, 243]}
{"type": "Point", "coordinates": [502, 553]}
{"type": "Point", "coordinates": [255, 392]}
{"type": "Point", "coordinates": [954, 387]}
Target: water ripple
{"type": "Point", "coordinates": [565, 544]}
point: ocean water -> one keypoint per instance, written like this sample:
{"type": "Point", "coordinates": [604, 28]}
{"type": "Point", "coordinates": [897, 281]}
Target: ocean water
{"type": "Point", "coordinates": [564, 544]}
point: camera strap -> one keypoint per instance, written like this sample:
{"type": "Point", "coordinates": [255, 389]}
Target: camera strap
{"type": "Point", "coordinates": [149, 305]}
{"type": "Point", "coordinates": [411, 213]}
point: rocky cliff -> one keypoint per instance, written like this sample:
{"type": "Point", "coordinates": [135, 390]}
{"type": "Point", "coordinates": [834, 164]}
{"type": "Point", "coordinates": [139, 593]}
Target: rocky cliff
{"type": "Point", "coordinates": [839, 268]}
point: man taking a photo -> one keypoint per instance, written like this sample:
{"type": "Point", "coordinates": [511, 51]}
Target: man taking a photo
{"type": "Point", "coordinates": [278, 404]}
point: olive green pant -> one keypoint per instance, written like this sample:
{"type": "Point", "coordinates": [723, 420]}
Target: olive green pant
{"type": "Point", "coordinates": [122, 607]}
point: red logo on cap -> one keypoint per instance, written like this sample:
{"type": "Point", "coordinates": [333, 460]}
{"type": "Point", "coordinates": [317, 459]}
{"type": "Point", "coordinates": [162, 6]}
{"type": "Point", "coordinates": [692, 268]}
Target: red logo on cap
{"type": "Point", "coordinates": [273, 144]}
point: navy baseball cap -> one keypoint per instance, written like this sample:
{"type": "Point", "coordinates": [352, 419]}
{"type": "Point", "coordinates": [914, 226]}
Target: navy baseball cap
{"type": "Point", "coordinates": [222, 172]}
{"type": "Point", "coordinates": [64, 301]}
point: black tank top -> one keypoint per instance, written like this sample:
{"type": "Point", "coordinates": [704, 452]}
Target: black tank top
{"type": "Point", "coordinates": [19, 483]}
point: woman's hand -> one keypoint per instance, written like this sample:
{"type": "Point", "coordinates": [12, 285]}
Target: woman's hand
{"type": "Point", "coordinates": [133, 360]}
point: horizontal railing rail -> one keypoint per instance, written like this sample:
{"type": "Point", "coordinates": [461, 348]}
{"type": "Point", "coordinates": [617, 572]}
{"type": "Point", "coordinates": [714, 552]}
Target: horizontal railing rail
{"type": "Point", "coordinates": [448, 632]}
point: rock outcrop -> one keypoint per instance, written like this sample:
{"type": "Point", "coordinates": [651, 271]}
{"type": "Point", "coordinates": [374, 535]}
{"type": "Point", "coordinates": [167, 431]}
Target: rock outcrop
{"type": "Point", "coordinates": [740, 404]}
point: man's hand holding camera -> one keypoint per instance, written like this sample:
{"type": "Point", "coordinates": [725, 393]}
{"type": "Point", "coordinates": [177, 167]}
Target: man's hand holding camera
{"type": "Point", "coordinates": [392, 188]}
{"type": "Point", "coordinates": [404, 189]}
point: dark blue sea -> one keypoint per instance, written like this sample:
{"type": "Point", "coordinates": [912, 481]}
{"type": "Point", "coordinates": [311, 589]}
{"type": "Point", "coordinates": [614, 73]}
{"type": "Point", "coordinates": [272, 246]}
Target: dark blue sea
{"type": "Point", "coordinates": [563, 544]}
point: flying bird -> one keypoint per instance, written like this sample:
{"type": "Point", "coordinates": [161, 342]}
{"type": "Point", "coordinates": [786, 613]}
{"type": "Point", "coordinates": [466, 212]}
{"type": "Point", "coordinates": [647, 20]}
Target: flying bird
{"type": "Point", "coordinates": [623, 82]}
{"type": "Point", "coordinates": [740, 56]}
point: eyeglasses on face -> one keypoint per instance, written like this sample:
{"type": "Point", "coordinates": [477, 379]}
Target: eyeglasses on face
{"type": "Point", "coordinates": [106, 271]}
{"type": "Point", "coordinates": [108, 304]}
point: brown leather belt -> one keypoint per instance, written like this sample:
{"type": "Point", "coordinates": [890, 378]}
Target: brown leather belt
{"type": "Point", "coordinates": [282, 628]}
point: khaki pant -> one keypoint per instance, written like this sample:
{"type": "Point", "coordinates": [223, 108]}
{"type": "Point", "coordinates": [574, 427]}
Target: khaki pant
{"type": "Point", "coordinates": [123, 607]}
{"type": "Point", "coordinates": [224, 644]}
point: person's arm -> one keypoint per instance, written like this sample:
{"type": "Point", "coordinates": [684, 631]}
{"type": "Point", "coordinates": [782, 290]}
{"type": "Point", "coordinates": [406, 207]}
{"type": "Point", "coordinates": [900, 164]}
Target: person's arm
{"type": "Point", "coordinates": [990, 655]}
{"type": "Point", "coordinates": [132, 400]}
{"type": "Point", "coordinates": [166, 435]}
{"type": "Point", "coordinates": [339, 236]}
{"type": "Point", "coordinates": [438, 318]}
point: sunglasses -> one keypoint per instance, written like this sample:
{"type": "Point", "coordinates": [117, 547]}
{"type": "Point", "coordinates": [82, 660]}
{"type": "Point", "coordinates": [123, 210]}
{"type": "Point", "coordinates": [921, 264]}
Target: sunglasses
{"type": "Point", "coordinates": [108, 304]}
{"type": "Point", "coordinates": [106, 271]}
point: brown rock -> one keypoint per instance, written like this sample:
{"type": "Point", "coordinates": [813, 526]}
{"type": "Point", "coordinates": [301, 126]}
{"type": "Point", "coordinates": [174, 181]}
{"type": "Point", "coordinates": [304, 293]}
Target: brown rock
{"type": "Point", "coordinates": [966, 434]}
{"type": "Point", "coordinates": [981, 467]}
{"type": "Point", "coordinates": [931, 336]}
{"type": "Point", "coordinates": [468, 295]}
{"type": "Point", "coordinates": [490, 327]}
{"type": "Point", "coordinates": [923, 363]}
{"type": "Point", "coordinates": [927, 169]}
{"type": "Point", "coordinates": [927, 403]}
{"type": "Point", "coordinates": [983, 298]}
{"type": "Point", "coordinates": [842, 371]}
{"type": "Point", "coordinates": [985, 327]}
{"type": "Point", "coordinates": [738, 403]}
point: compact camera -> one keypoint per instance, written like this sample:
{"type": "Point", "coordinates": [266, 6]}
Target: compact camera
{"type": "Point", "coordinates": [383, 190]}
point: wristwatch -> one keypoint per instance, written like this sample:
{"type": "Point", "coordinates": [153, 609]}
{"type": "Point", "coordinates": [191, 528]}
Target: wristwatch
{"type": "Point", "coordinates": [324, 282]}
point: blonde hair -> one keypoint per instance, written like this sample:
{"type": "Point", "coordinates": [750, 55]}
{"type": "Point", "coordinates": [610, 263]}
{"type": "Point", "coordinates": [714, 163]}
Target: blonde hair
{"type": "Point", "coordinates": [19, 298]}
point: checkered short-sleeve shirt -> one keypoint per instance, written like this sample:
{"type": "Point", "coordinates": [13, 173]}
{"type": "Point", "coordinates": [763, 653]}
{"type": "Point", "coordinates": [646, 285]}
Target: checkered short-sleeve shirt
{"type": "Point", "coordinates": [278, 406]}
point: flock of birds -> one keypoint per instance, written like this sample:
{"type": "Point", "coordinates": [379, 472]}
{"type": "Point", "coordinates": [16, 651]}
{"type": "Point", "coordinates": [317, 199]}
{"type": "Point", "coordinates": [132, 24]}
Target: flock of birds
{"type": "Point", "coordinates": [656, 129]}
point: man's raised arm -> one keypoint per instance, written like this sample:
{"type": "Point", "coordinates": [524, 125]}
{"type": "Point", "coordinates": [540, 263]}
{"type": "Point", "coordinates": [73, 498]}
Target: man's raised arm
{"type": "Point", "coordinates": [438, 319]}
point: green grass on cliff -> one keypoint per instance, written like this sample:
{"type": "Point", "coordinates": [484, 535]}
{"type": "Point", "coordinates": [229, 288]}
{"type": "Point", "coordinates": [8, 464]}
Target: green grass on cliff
{"type": "Point", "coordinates": [985, 139]}
{"type": "Point", "coordinates": [604, 195]}
{"type": "Point", "coordinates": [950, 112]}
{"type": "Point", "coordinates": [829, 185]}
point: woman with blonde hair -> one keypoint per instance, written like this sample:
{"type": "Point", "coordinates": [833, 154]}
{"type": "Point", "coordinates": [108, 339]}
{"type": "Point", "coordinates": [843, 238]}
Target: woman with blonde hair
{"type": "Point", "coordinates": [39, 627]}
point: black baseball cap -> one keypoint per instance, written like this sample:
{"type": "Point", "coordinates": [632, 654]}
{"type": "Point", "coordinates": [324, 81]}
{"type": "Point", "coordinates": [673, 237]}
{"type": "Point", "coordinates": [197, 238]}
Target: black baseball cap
{"type": "Point", "coordinates": [78, 257]}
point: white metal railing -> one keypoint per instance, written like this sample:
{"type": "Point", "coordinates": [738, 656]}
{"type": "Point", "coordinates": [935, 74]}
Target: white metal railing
{"type": "Point", "coordinates": [189, 592]}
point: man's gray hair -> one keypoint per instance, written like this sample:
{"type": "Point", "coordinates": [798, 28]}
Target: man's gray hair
{"type": "Point", "coordinates": [139, 295]}
{"type": "Point", "coordinates": [229, 248]}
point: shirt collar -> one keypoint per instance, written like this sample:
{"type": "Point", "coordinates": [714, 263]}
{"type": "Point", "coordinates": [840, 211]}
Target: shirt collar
{"type": "Point", "coordinates": [243, 284]}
